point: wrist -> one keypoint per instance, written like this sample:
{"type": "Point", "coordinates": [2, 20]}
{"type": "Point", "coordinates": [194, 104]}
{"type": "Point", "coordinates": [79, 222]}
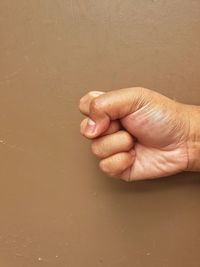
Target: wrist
{"type": "Point", "coordinates": [194, 139]}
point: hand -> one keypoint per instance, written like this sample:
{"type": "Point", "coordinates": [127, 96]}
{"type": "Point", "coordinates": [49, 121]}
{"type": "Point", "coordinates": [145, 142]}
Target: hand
{"type": "Point", "coordinates": [137, 133]}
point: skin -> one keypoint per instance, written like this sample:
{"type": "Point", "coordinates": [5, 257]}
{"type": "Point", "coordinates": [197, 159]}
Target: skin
{"type": "Point", "coordinates": [139, 134]}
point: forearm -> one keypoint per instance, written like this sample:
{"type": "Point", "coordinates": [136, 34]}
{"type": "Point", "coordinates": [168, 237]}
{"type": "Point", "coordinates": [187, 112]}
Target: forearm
{"type": "Point", "coordinates": [194, 138]}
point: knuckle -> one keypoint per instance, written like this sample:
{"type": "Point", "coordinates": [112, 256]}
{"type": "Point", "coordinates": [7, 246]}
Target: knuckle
{"type": "Point", "coordinates": [80, 103]}
{"type": "Point", "coordinates": [95, 105]}
{"type": "Point", "coordinates": [129, 139]}
{"type": "Point", "coordinates": [126, 137]}
{"type": "Point", "coordinates": [93, 94]}
{"type": "Point", "coordinates": [110, 167]}
{"type": "Point", "coordinates": [107, 165]}
{"type": "Point", "coordinates": [90, 94]}
{"type": "Point", "coordinates": [82, 99]}
{"type": "Point", "coordinates": [103, 167]}
{"type": "Point", "coordinates": [95, 149]}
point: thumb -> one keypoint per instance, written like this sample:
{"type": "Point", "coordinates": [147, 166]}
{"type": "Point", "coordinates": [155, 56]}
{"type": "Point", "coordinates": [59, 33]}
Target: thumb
{"type": "Point", "coordinates": [111, 106]}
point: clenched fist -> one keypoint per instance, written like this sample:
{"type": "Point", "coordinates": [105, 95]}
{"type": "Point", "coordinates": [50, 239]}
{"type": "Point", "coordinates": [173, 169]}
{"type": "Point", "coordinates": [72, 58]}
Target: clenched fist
{"type": "Point", "coordinates": [140, 134]}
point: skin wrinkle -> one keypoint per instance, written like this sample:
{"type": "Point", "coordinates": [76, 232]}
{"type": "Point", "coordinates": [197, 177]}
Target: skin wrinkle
{"type": "Point", "coordinates": [160, 117]}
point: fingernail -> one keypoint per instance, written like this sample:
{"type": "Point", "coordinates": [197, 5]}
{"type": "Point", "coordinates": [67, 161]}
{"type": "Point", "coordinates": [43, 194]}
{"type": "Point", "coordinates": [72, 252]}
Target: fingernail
{"type": "Point", "coordinates": [90, 127]}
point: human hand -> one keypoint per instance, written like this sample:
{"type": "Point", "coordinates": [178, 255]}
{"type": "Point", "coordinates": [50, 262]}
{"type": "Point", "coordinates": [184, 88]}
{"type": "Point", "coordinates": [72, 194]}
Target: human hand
{"type": "Point", "coordinates": [137, 133]}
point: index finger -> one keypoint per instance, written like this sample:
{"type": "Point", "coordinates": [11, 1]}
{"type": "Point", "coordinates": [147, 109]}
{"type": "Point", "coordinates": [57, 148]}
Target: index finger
{"type": "Point", "coordinates": [113, 105]}
{"type": "Point", "coordinates": [85, 101]}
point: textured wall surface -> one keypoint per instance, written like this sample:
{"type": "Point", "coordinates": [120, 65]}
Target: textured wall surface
{"type": "Point", "coordinates": [56, 208]}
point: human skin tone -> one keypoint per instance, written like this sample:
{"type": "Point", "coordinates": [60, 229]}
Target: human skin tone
{"type": "Point", "coordinates": [140, 134]}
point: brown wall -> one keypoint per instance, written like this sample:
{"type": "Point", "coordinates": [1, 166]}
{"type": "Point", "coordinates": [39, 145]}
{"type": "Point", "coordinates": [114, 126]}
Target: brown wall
{"type": "Point", "coordinates": [56, 208]}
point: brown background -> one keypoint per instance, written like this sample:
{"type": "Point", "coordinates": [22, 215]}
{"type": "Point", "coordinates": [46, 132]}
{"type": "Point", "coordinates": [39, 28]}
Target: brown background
{"type": "Point", "coordinates": [56, 208]}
